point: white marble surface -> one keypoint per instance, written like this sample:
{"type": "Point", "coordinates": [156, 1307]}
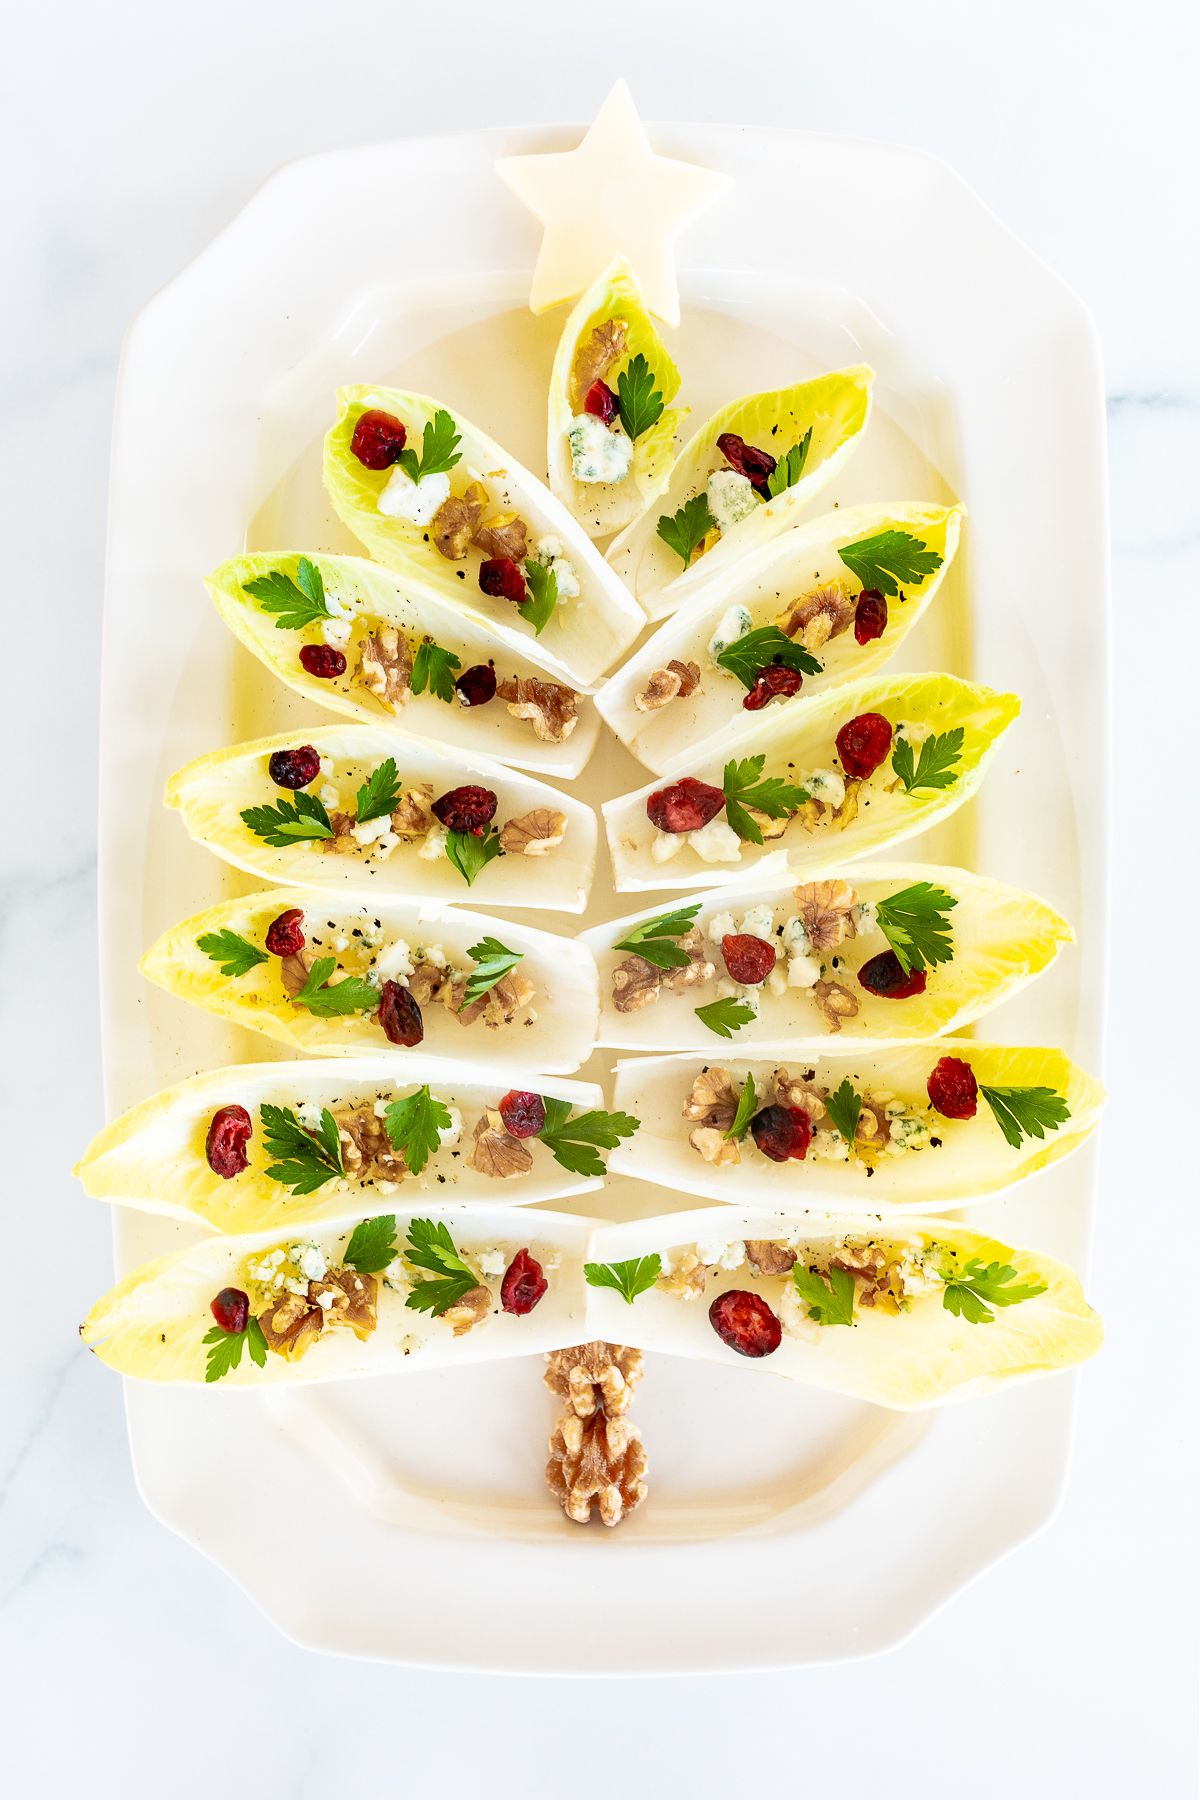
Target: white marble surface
{"type": "Point", "coordinates": [131, 134]}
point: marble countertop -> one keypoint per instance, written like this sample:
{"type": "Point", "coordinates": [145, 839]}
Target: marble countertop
{"type": "Point", "coordinates": [127, 1664]}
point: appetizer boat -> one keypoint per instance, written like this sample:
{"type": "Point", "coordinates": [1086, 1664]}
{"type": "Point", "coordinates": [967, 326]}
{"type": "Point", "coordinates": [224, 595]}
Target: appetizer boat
{"type": "Point", "coordinates": [354, 1296]}
{"type": "Point", "coordinates": [346, 633]}
{"type": "Point", "coordinates": [356, 806]}
{"type": "Point", "coordinates": [943, 1124]}
{"type": "Point", "coordinates": [742, 479]}
{"type": "Point", "coordinates": [265, 1146]}
{"type": "Point", "coordinates": [866, 765]}
{"type": "Point", "coordinates": [612, 429]}
{"type": "Point", "coordinates": [886, 954]}
{"type": "Point", "coordinates": [430, 495]}
{"type": "Point", "coordinates": [348, 976]}
{"type": "Point", "coordinates": [903, 1314]}
{"type": "Point", "coordinates": [821, 605]}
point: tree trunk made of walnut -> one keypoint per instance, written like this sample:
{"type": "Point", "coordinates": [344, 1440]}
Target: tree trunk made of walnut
{"type": "Point", "coordinates": [596, 1454]}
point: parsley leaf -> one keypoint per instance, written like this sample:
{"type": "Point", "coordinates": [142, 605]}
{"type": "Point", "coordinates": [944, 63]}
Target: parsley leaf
{"type": "Point", "coordinates": [829, 1302]}
{"type": "Point", "coordinates": [493, 960]}
{"type": "Point", "coordinates": [236, 955]}
{"type": "Point", "coordinates": [372, 1244]}
{"type": "Point", "coordinates": [225, 1349]}
{"type": "Point", "coordinates": [541, 595]}
{"type": "Point", "coordinates": [971, 1292]}
{"type": "Point", "coordinates": [431, 1247]}
{"type": "Point", "coordinates": [1023, 1112]}
{"type": "Point", "coordinates": [629, 1278]}
{"type": "Point", "coordinates": [309, 1158]}
{"type": "Point", "coordinates": [353, 995]}
{"type": "Point", "coordinates": [747, 1101]}
{"type": "Point", "coordinates": [470, 854]}
{"type": "Point", "coordinates": [725, 1016]}
{"type": "Point", "coordinates": [433, 668]}
{"type": "Point", "coordinates": [379, 793]}
{"type": "Point", "coordinates": [844, 1108]}
{"type": "Point", "coordinates": [788, 469]}
{"type": "Point", "coordinates": [289, 821]}
{"type": "Point", "coordinates": [889, 558]}
{"type": "Point", "coordinates": [743, 787]}
{"type": "Point", "coordinates": [754, 650]}
{"type": "Point", "coordinates": [414, 1126]}
{"type": "Point", "coordinates": [651, 938]}
{"type": "Point", "coordinates": [296, 603]}
{"type": "Point", "coordinates": [439, 448]}
{"type": "Point", "coordinates": [914, 923]}
{"type": "Point", "coordinates": [573, 1142]}
{"type": "Point", "coordinates": [935, 766]}
{"type": "Point", "coordinates": [684, 530]}
{"type": "Point", "coordinates": [638, 400]}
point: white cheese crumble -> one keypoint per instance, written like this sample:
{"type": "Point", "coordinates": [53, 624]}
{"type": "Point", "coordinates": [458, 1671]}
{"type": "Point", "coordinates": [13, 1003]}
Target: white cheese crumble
{"type": "Point", "coordinates": [829, 1146]}
{"type": "Point", "coordinates": [734, 623]}
{"type": "Point", "coordinates": [826, 785]}
{"type": "Point", "coordinates": [310, 1260]}
{"type": "Point", "coordinates": [394, 962]}
{"type": "Point", "coordinates": [598, 454]}
{"type": "Point", "coordinates": [549, 552]}
{"type": "Point", "coordinates": [715, 842]}
{"type": "Point", "coordinates": [731, 497]}
{"type": "Point", "coordinates": [722, 1253]}
{"type": "Point", "coordinates": [803, 971]}
{"type": "Point", "coordinates": [865, 918]}
{"type": "Point", "coordinates": [371, 831]}
{"type": "Point", "coordinates": [396, 1276]}
{"type": "Point", "coordinates": [309, 1115]}
{"type": "Point", "coordinates": [451, 1133]}
{"type": "Point", "coordinates": [434, 845]}
{"type": "Point", "coordinates": [492, 1262]}
{"type": "Point", "coordinates": [336, 632]}
{"type": "Point", "coordinates": [330, 797]}
{"type": "Point", "coordinates": [758, 921]}
{"type": "Point", "coordinates": [720, 926]}
{"type": "Point", "coordinates": [403, 498]}
{"type": "Point", "coordinates": [795, 936]}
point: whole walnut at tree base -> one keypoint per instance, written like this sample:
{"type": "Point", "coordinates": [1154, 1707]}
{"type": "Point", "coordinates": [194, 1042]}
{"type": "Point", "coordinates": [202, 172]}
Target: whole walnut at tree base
{"type": "Point", "coordinates": [523, 1285]}
{"type": "Point", "coordinates": [294, 769]}
{"type": "Point", "coordinates": [597, 1462]}
{"type": "Point", "coordinates": [400, 1016]}
{"type": "Point", "coordinates": [863, 743]}
{"type": "Point", "coordinates": [886, 977]}
{"type": "Point", "coordinates": [686, 805]}
{"type": "Point", "coordinates": [745, 1322]}
{"type": "Point", "coordinates": [231, 1309]}
{"type": "Point", "coordinates": [782, 1133]}
{"type": "Point", "coordinates": [952, 1088]}
{"type": "Point", "coordinates": [378, 439]}
{"type": "Point", "coordinates": [225, 1145]}
{"type": "Point", "coordinates": [285, 935]}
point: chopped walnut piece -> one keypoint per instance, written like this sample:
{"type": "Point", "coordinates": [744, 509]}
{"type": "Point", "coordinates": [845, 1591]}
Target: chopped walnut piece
{"type": "Point", "coordinates": [768, 1257]}
{"type": "Point", "coordinates": [534, 833]}
{"type": "Point", "coordinates": [604, 346]}
{"type": "Point", "coordinates": [713, 1099]}
{"type": "Point", "coordinates": [678, 681]}
{"type": "Point", "coordinates": [385, 666]}
{"type": "Point", "coordinates": [848, 810]}
{"type": "Point", "coordinates": [714, 1146]}
{"type": "Point", "coordinates": [341, 840]}
{"type": "Point", "coordinates": [771, 828]}
{"type": "Point", "coordinates": [367, 1149]}
{"type": "Point", "coordinates": [454, 523]}
{"type": "Point", "coordinates": [878, 1282]}
{"type": "Point", "coordinates": [355, 1303]}
{"type": "Point", "coordinates": [504, 535]}
{"type": "Point", "coordinates": [291, 1324]}
{"type": "Point", "coordinates": [872, 1133]}
{"type": "Point", "coordinates": [825, 910]}
{"type": "Point", "coordinates": [593, 1376]}
{"type": "Point", "coordinates": [804, 1094]}
{"type": "Point", "coordinates": [597, 1461]}
{"type": "Point", "coordinates": [835, 1002]}
{"type": "Point", "coordinates": [427, 982]}
{"type": "Point", "coordinates": [293, 971]}
{"type": "Point", "coordinates": [495, 1153]}
{"type": "Point", "coordinates": [499, 1006]}
{"type": "Point", "coordinates": [475, 1305]}
{"type": "Point", "coordinates": [414, 815]}
{"type": "Point", "coordinates": [637, 983]}
{"type": "Point", "coordinates": [819, 616]}
{"type": "Point", "coordinates": [687, 1277]}
{"type": "Point", "coordinates": [552, 708]}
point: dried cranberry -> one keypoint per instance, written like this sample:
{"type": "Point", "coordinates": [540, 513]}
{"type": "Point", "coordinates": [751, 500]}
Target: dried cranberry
{"type": "Point", "coordinates": [294, 768]}
{"type": "Point", "coordinates": [870, 616]}
{"type": "Point", "coordinates": [231, 1310]}
{"type": "Point", "coordinates": [745, 1322]}
{"type": "Point", "coordinates": [400, 1015]}
{"type": "Point", "coordinates": [686, 805]}
{"type": "Point", "coordinates": [523, 1113]}
{"type": "Point", "coordinates": [756, 465]}
{"type": "Point", "coordinates": [748, 959]}
{"type": "Point", "coordinates": [285, 935]}
{"type": "Point", "coordinates": [477, 685]}
{"type": "Point", "coordinates": [601, 402]}
{"type": "Point", "coordinates": [863, 743]}
{"type": "Point", "coordinates": [523, 1284]}
{"type": "Point", "coordinates": [953, 1090]}
{"type": "Point", "coordinates": [225, 1145]}
{"type": "Point", "coordinates": [466, 809]}
{"type": "Point", "coordinates": [772, 683]}
{"type": "Point", "coordinates": [322, 660]}
{"type": "Point", "coordinates": [502, 579]}
{"type": "Point", "coordinates": [378, 439]}
{"type": "Point", "coordinates": [886, 976]}
{"type": "Point", "coordinates": [782, 1132]}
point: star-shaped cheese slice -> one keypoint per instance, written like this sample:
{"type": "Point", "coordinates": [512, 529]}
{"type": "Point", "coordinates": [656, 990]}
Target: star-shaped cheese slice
{"type": "Point", "coordinates": [611, 196]}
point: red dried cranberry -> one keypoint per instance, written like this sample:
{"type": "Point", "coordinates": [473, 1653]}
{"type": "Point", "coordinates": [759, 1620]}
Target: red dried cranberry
{"type": "Point", "coordinates": [870, 616]}
{"type": "Point", "coordinates": [378, 439]}
{"type": "Point", "coordinates": [285, 935]}
{"type": "Point", "coordinates": [601, 402]}
{"type": "Point", "coordinates": [477, 685]}
{"type": "Point", "coordinates": [886, 976]}
{"type": "Point", "coordinates": [745, 1322]}
{"type": "Point", "coordinates": [523, 1113]}
{"type": "Point", "coordinates": [466, 809]}
{"type": "Point", "coordinates": [772, 683]}
{"type": "Point", "coordinates": [863, 743]}
{"type": "Point", "coordinates": [231, 1310]}
{"type": "Point", "coordinates": [782, 1132]}
{"type": "Point", "coordinates": [748, 959]}
{"type": "Point", "coordinates": [523, 1284]}
{"type": "Point", "coordinates": [294, 768]}
{"type": "Point", "coordinates": [503, 579]}
{"type": "Point", "coordinates": [953, 1090]}
{"type": "Point", "coordinates": [225, 1145]}
{"type": "Point", "coordinates": [755, 465]}
{"type": "Point", "coordinates": [400, 1016]}
{"type": "Point", "coordinates": [322, 660]}
{"type": "Point", "coordinates": [686, 805]}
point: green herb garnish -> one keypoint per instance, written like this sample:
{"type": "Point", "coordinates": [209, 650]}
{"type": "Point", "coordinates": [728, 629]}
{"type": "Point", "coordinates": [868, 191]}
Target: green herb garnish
{"type": "Point", "coordinates": [629, 1278]}
{"type": "Point", "coordinates": [651, 939]}
{"type": "Point", "coordinates": [433, 668]}
{"type": "Point", "coordinates": [225, 1349]}
{"type": "Point", "coordinates": [439, 448]}
{"type": "Point", "coordinates": [289, 822]}
{"type": "Point", "coordinates": [372, 1244]}
{"type": "Point", "coordinates": [747, 1102]}
{"type": "Point", "coordinates": [788, 469]}
{"type": "Point", "coordinates": [415, 1126]}
{"type": "Point", "coordinates": [639, 402]}
{"type": "Point", "coordinates": [308, 1158]}
{"type": "Point", "coordinates": [971, 1293]}
{"type": "Point", "coordinates": [470, 854]}
{"type": "Point", "coordinates": [935, 766]}
{"type": "Point", "coordinates": [430, 1246]}
{"type": "Point", "coordinates": [1023, 1112]}
{"type": "Point", "coordinates": [914, 923]}
{"type": "Point", "coordinates": [296, 603]}
{"type": "Point", "coordinates": [829, 1301]}
{"type": "Point", "coordinates": [353, 995]}
{"type": "Point", "coordinates": [754, 651]}
{"type": "Point", "coordinates": [725, 1016]}
{"type": "Point", "coordinates": [541, 595]}
{"type": "Point", "coordinates": [744, 787]}
{"type": "Point", "coordinates": [845, 1108]}
{"type": "Point", "coordinates": [379, 793]}
{"type": "Point", "coordinates": [235, 955]}
{"type": "Point", "coordinates": [493, 960]}
{"type": "Point", "coordinates": [684, 530]}
{"type": "Point", "coordinates": [888, 559]}
{"type": "Point", "coordinates": [573, 1142]}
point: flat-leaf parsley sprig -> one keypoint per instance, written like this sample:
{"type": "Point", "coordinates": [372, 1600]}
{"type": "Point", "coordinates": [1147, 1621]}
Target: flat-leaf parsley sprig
{"type": "Point", "coordinates": [225, 1349]}
{"type": "Point", "coordinates": [725, 1016]}
{"type": "Point", "coordinates": [372, 1244]}
{"type": "Point", "coordinates": [629, 1278]}
{"type": "Point", "coordinates": [755, 651]}
{"type": "Point", "coordinates": [1023, 1112]}
{"type": "Point", "coordinates": [829, 1299]}
{"type": "Point", "coordinates": [652, 939]}
{"type": "Point", "coordinates": [233, 954]}
{"type": "Point", "coordinates": [575, 1143]}
{"type": "Point", "coordinates": [639, 401]}
{"type": "Point", "coordinates": [295, 603]}
{"type": "Point", "coordinates": [379, 794]}
{"type": "Point", "coordinates": [471, 854]}
{"type": "Point", "coordinates": [304, 1160]}
{"type": "Point", "coordinates": [844, 1107]}
{"type": "Point", "coordinates": [889, 560]}
{"type": "Point", "coordinates": [430, 1246]}
{"type": "Point", "coordinates": [350, 995]}
{"type": "Point", "coordinates": [416, 1125]}
{"type": "Point", "coordinates": [287, 822]}
{"type": "Point", "coordinates": [439, 448]}
{"type": "Point", "coordinates": [541, 595]}
{"type": "Point", "coordinates": [493, 961]}
{"type": "Point", "coordinates": [686, 529]}
{"type": "Point", "coordinates": [914, 921]}
{"type": "Point", "coordinates": [789, 467]}
{"type": "Point", "coordinates": [971, 1292]}
{"type": "Point", "coordinates": [744, 786]}
{"type": "Point", "coordinates": [936, 766]}
{"type": "Point", "coordinates": [435, 669]}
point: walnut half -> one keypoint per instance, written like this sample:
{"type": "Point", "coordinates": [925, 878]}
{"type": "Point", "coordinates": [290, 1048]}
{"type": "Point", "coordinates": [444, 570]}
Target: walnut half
{"type": "Point", "coordinates": [494, 1152]}
{"type": "Point", "coordinates": [713, 1099]}
{"type": "Point", "coordinates": [835, 1002]}
{"type": "Point", "coordinates": [597, 1462]}
{"type": "Point", "coordinates": [454, 523]}
{"type": "Point", "coordinates": [825, 908]}
{"type": "Point", "coordinates": [534, 833]}
{"type": "Point", "coordinates": [385, 667]}
{"type": "Point", "coordinates": [551, 708]}
{"type": "Point", "coordinates": [678, 681]}
{"type": "Point", "coordinates": [595, 1375]}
